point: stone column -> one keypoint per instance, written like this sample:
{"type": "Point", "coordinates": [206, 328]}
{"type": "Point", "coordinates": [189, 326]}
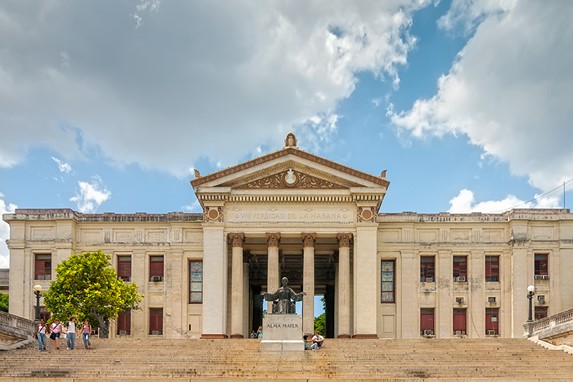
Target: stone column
{"type": "Point", "coordinates": [343, 290]}
{"type": "Point", "coordinates": [273, 276]}
{"type": "Point", "coordinates": [214, 282]}
{"type": "Point", "coordinates": [237, 240]}
{"type": "Point", "coordinates": [365, 278]}
{"type": "Point", "coordinates": [308, 283]}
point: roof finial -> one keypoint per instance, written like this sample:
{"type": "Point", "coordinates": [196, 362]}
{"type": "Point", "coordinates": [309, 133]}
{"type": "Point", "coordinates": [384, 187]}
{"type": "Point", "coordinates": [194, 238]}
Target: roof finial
{"type": "Point", "coordinates": [197, 173]}
{"type": "Point", "coordinates": [290, 140]}
{"type": "Point", "coordinates": [383, 173]}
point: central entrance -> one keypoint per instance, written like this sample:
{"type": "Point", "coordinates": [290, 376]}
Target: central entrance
{"type": "Point", "coordinates": [291, 265]}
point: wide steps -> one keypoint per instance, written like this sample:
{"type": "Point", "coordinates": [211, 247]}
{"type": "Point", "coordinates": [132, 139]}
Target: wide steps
{"type": "Point", "coordinates": [339, 359]}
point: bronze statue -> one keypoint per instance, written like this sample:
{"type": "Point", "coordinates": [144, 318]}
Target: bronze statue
{"type": "Point", "coordinates": [284, 298]}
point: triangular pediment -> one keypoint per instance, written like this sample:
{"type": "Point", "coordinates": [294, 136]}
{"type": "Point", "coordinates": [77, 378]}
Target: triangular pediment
{"type": "Point", "coordinates": [287, 175]}
{"type": "Point", "coordinates": [289, 168]}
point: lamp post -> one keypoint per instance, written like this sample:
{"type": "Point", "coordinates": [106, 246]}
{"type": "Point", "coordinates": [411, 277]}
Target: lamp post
{"type": "Point", "coordinates": [530, 293]}
{"type": "Point", "coordinates": [38, 293]}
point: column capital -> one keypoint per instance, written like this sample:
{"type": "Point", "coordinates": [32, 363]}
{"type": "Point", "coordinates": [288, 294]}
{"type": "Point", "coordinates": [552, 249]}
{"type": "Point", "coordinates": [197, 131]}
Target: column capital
{"type": "Point", "coordinates": [308, 239]}
{"type": "Point", "coordinates": [344, 239]}
{"type": "Point", "coordinates": [273, 239]}
{"type": "Point", "coordinates": [236, 239]}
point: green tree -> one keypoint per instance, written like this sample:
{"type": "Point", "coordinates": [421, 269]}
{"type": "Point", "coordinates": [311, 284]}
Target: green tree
{"type": "Point", "coordinates": [320, 320]}
{"type": "Point", "coordinates": [3, 302]}
{"type": "Point", "coordinates": [320, 323]}
{"type": "Point", "coordinates": [87, 286]}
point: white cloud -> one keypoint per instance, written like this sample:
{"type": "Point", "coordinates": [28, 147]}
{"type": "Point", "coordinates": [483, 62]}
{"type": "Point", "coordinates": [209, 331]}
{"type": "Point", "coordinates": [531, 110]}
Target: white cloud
{"type": "Point", "coordinates": [194, 80]}
{"type": "Point", "coordinates": [64, 167]}
{"type": "Point", "coordinates": [4, 232]}
{"type": "Point", "coordinates": [90, 195]}
{"type": "Point", "coordinates": [510, 89]}
{"type": "Point", "coordinates": [465, 202]}
{"type": "Point", "coordinates": [194, 207]}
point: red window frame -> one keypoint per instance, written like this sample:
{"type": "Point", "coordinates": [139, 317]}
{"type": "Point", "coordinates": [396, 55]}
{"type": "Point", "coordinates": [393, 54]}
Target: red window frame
{"type": "Point", "coordinates": [388, 282]}
{"type": "Point", "coordinates": [427, 268]}
{"type": "Point", "coordinates": [124, 323]}
{"type": "Point", "coordinates": [540, 312]}
{"type": "Point", "coordinates": [426, 320]}
{"type": "Point", "coordinates": [460, 321]}
{"type": "Point", "coordinates": [492, 268]}
{"type": "Point", "coordinates": [155, 321]}
{"type": "Point", "coordinates": [541, 264]}
{"type": "Point", "coordinates": [156, 266]}
{"type": "Point", "coordinates": [460, 266]}
{"type": "Point", "coordinates": [195, 282]}
{"type": "Point", "coordinates": [42, 266]}
{"type": "Point", "coordinates": [492, 321]}
{"type": "Point", "coordinates": [124, 267]}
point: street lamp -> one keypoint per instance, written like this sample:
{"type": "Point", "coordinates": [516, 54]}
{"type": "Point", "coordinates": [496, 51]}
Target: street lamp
{"type": "Point", "coordinates": [530, 293]}
{"type": "Point", "coordinates": [38, 293]}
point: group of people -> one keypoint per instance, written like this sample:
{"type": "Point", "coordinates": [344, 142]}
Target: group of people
{"type": "Point", "coordinates": [56, 329]}
{"type": "Point", "coordinates": [313, 343]}
{"type": "Point", "coordinates": [258, 334]}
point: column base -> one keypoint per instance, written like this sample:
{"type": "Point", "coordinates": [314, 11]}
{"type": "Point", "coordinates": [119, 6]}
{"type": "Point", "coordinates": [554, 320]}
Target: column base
{"type": "Point", "coordinates": [205, 336]}
{"type": "Point", "coordinates": [365, 336]}
{"type": "Point", "coordinates": [237, 336]}
{"type": "Point", "coordinates": [344, 336]}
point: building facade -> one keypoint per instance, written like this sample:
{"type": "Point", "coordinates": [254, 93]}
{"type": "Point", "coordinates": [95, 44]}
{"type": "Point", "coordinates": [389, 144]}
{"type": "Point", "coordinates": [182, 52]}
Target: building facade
{"type": "Point", "coordinates": [291, 213]}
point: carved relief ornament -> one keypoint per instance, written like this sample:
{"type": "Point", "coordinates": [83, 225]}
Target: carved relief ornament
{"type": "Point", "coordinates": [213, 214]}
{"type": "Point", "coordinates": [344, 239]}
{"type": "Point", "coordinates": [308, 239]}
{"type": "Point", "coordinates": [290, 179]}
{"type": "Point", "coordinates": [273, 239]}
{"type": "Point", "coordinates": [365, 214]}
{"type": "Point", "coordinates": [236, 239]}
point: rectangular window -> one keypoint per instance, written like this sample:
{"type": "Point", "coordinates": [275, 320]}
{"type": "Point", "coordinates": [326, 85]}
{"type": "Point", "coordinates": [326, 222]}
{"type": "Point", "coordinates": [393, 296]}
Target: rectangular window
{"type": "Point", "coordinates": [540, 312]}
{"type": "Point", "coordinates": [156, 321]}
{"type": "Point", "coordinates": [195, 282]}
{"type": "Point", "coordinates": [492, 322]}
{"type": "Point", "coordinates": [541, 264]}
{"type": "Point", "coordinates": [427, 321]}
{"type": "Point", "coordinates": [492, 268]}
{"type": "Point", "coordinates": [459, 321]}
{"type": "Point", "coordinates": [388, 281]}
{"type": "Point", "coordinates": [124, 323]}
{"type": "Point", "coordinates": [427, 267]}
{"type": "Point", "coordinates": [460, 268]}
{"type": "Point", "coordinates": [124, 268]}
{"type": "Point", "coordinates": [156, 268]}
{"type": "Point", "coordinates": [43, 267]}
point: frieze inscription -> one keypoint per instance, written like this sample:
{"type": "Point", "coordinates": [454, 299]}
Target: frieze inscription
{"type": "Point", "coordinates": [290, 216]}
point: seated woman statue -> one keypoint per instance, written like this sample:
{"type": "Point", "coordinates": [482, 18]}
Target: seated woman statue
{"type": "Point", "coordinates": [284, 298]}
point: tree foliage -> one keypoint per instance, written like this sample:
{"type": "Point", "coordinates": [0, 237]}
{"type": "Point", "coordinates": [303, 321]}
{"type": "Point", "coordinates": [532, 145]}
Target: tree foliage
{"type": "Point", "coordinates": [87, 286]}
{"type": "Point", "coordinates": [3, 302]}
{"type": "Point", "coordinates": [320, 323]}
{"type": "Point", "coordinates": [320, 320]}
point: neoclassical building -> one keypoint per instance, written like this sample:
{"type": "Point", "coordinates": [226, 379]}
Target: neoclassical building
{"type": "Point", "coordinates": [291, 213]}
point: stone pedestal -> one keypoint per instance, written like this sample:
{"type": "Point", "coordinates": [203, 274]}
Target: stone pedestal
{"type": "Point", "coordinates": [282, 332]}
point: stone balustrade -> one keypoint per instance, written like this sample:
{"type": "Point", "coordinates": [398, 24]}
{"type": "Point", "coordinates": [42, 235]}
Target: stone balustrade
{"type": "Point", "coordinates": [15, 327]}
{"type": "Point", "coordinates": [555, 325]}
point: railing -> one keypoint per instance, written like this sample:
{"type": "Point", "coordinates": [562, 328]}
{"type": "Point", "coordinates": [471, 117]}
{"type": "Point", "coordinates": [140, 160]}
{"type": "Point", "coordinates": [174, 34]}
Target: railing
{"type": "Point", "coordinates": [550, 326]}
{"type": "Point", "coordinates": [15, 326]}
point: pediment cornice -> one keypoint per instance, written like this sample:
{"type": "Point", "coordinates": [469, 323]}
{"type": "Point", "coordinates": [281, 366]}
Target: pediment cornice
{"type": "Point", "coordinates": [292, 155]}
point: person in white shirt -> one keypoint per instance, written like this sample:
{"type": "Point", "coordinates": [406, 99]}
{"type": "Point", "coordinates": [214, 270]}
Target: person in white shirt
{"type": "Point", "coordinates": [318, 339]}
{"type": "Point", "coordinates": [71, 333]}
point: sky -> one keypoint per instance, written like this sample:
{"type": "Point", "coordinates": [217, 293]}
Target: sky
{"type": "Point", "coordinates": [108, 106]}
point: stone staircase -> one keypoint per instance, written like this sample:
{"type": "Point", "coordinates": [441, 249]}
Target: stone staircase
{"type": "Point", "coordinates": [339, 359]}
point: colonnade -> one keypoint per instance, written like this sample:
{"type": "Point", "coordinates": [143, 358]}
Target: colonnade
{"type": "Point", "coordinates": [343, 287]}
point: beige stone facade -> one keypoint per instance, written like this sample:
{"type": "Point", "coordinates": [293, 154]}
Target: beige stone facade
{"type": "Point", "coordinates": [291, 213]}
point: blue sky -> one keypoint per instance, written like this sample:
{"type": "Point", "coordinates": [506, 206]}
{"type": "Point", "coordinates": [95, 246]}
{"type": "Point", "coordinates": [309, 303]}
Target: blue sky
{"type": "Point", "coordinates": [107, 106]}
